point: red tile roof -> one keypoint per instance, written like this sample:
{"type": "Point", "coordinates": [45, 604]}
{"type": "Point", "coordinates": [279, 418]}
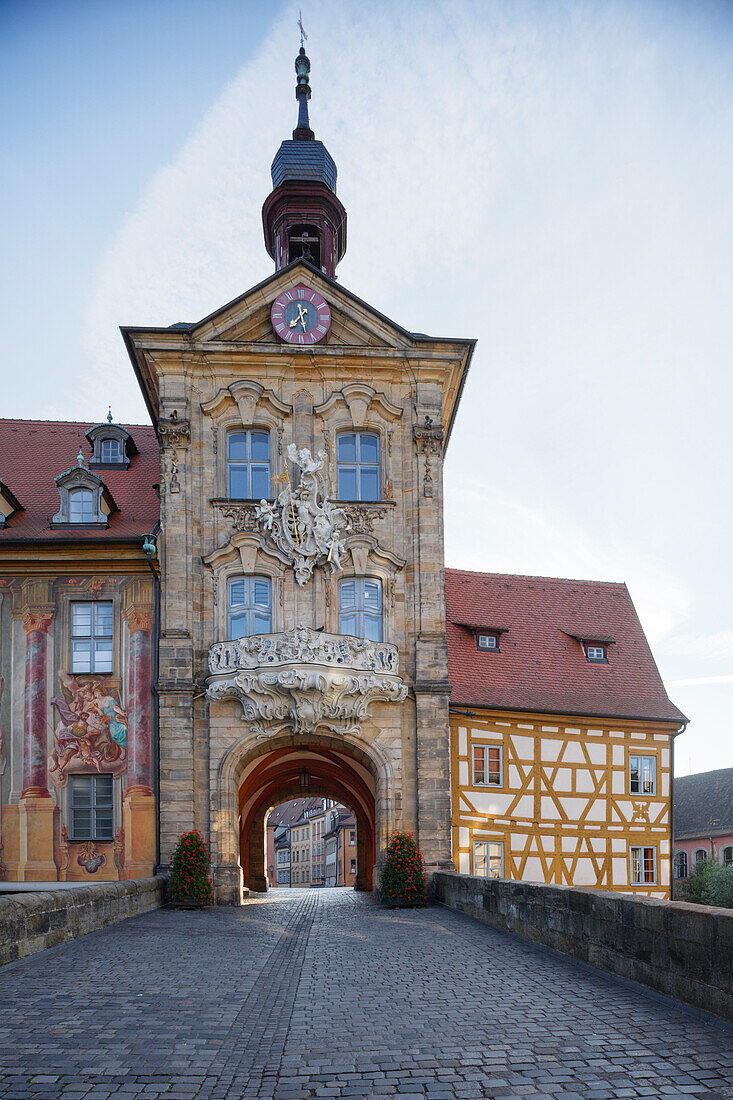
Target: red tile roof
{"type": "Point", "coordinates": [541, 666]}
{"type": "Point", "coordinates": [34, 452]}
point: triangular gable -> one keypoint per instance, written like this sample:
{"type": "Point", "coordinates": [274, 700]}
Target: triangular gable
{"type": "Point", "coordinates": [247, 318]}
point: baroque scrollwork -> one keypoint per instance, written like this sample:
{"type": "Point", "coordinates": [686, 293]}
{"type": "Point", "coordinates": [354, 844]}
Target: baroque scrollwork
{"type": "Point", "coordinates": [362, 517]}
{"type": "Point", "coordinates": [243, 516]}
{"type": "Point", "coordinates": [302, 522]}
{"type": "Point", "coordinates": [428, 438]}
{"type": "Point", "coordinates": [303, 679]}
{"type": "Point", "coordinates": [173, 433]}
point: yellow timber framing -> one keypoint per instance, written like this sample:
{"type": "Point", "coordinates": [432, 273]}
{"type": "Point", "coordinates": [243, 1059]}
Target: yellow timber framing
{"type": "Point", "coordinates": [564, 813]}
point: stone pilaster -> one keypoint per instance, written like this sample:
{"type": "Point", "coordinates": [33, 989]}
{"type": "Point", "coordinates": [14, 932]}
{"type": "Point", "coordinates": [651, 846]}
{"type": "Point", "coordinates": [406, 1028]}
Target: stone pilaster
{"type": "Point", "coordinates": [432, 688]}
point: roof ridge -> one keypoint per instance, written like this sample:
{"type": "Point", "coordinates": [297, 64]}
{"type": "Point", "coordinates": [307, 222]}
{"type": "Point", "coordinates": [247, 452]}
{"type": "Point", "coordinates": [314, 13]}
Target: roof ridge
{"type": "Point", "coordinates": [533, 577]}
{"type": "Point", "coordinates": [70, 423]}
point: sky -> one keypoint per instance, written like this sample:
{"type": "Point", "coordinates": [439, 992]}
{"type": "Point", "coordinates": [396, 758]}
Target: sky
{"type": "Point", "coordinates": [551, 178]}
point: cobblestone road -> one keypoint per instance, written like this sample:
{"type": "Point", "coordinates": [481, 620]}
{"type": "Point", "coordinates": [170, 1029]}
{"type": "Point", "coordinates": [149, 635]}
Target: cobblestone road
{"type": "Point", "coordinates": [322, 994]}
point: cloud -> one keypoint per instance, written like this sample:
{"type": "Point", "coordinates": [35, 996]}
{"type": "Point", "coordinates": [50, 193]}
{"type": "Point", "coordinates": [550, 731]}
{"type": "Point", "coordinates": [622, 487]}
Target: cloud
{"type": "Point", "coordinates": [486, 531]}
{"type": "Point", "coordinates": [700, 681]}
{"type": "Point", "coordinates": [717, 646]}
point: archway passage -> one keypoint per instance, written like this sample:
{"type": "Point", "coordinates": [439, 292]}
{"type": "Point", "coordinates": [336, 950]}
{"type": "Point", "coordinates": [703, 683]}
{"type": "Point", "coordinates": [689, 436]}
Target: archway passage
{"type": "Point", "coordinates": [298, 771]}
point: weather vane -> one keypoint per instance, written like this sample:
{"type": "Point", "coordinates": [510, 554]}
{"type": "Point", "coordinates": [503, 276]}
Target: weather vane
{"type": "Point", "coordinates": [303, 35]}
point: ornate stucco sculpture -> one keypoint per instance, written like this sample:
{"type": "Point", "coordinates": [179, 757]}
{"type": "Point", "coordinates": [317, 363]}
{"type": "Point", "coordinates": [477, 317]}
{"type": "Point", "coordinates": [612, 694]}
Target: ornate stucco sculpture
{"type": "Point", "coordinates": [302, 522]}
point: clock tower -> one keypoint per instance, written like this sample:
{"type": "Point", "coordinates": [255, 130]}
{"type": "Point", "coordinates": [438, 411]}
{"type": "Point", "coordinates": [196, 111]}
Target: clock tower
{"type": "Point", "coordinates": [302, 621]}
{"type": "Point", "coordinates": [302, 217]}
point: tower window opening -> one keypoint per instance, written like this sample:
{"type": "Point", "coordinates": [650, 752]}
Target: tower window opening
{"type": "Point", "coordinates": [304, 243]}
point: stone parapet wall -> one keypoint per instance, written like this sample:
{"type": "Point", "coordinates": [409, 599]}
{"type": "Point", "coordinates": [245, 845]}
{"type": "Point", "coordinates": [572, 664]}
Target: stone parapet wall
{"type": "Point", "coordinates": [682, 950]}
{"type": "Point", "coordinates": [34, 921]}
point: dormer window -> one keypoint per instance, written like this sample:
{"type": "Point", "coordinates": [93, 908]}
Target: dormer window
{"type": "Point", "coordinates": [84, 499]}
{"type": "Point", "coordinates": [596, 653]}
{"type": "Point", "coordinates": [488, 641]}
{"type": "Point", "coordinates": [112, 445]}
{"type": "Point", "coordinates": [9, 504]}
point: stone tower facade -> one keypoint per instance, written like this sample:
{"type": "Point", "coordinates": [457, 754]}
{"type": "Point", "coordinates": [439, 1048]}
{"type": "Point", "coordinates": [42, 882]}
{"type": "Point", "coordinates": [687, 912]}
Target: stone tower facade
{"type": "Point", "coordinates": [302, 622]}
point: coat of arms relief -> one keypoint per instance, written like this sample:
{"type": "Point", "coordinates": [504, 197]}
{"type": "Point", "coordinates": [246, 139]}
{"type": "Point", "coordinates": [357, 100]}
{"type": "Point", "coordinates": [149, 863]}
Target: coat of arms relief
{"type": "Point", "coordinates": [302, 522]}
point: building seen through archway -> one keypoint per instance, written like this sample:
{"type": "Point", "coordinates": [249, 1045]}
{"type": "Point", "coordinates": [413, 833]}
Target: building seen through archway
{"type": "Point", "coordinates": [311, 842]}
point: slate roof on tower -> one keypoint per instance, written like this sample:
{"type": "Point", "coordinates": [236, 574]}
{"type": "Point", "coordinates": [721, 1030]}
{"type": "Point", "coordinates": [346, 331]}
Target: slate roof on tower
{"type": "Point", "coordinates": [541, 664]}
{"type": "Point", "coordinates": [34, 452]}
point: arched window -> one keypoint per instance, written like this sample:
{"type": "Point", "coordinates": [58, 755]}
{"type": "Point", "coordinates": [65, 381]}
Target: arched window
{"type": "Point", "coordinates": [360, 608]}
{"type": "Point", "coordinates": [111, 450]}
{"type": "Point", "coordinates": [680, 865]}
{"type": "Point", "coordinates": [727, 856]}
{"type": "Point", "coordinates": [248, 465]}
{"type": "Point", "coordinates": [81, 506]}
{"type": "Point", "coordinates": [249, 606]}
{"type": "Point", "coordinates": [700, 856]}
{"type": "Point", "coordinates": [357, 460]}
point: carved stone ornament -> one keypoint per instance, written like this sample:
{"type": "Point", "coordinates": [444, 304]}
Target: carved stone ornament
{"type": "Point", "coordinates": [304, 679]}
{"type": "Point", "coordinates": [428, 438]}
{"type": "Point", "coordinates": [362, 517]}
{"type": "Point", "coordinates": [304, 525]}
{"type": "Point", "coordinates": [173, 432]}
{"type": "Point", "coordinates": [243, 516]}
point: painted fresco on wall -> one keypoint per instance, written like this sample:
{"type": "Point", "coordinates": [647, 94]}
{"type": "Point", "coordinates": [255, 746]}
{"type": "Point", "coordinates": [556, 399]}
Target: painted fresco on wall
{"type": "Point", "coordinates": [91, 731]}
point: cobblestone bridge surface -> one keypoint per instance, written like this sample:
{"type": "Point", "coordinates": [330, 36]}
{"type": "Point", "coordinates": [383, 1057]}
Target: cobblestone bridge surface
{"type": "Point", "coordinates": [322, 994]}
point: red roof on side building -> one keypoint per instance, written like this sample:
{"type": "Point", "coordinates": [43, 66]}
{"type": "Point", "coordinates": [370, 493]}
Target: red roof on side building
{"type": "Point", "coordinates": [541, 665]}
{"type": "Point", "coordinates": [34, 452]}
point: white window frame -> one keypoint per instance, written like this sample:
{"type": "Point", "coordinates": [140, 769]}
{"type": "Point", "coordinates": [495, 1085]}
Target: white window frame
{"type": "Point", "coordinates": [109, 459]}
{"type": "Point", "coordinates": [488, 844]}
{"type": "Point", "coordinates": [87, 515]}
{"type": "Point", "coordinates": [485, 748]}
{"type": "Point", "coordinates": [726, 856]}
{"type": "Point", "coordinates": [94, 636]}
{"type": "Point", "coordinates": [677, 855]}
{"type": "Point", "coordinates": [699, 856]}
{"type": "Point", "coordinates": [642, 779]}
{"type": "Point", "coordinates": [596, 654]}
{"type": "Point", "coordinates": [636, 864]}
{"type": "Point", "coordinates": [489, 637]}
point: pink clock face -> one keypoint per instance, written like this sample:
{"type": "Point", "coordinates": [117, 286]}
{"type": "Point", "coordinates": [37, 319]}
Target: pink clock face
{"type": "Point", "coordinates": [300, 316]}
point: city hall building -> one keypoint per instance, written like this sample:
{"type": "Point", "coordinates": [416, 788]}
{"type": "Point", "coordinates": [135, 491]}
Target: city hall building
{"type": "Point", "coordinates": [248, 602]}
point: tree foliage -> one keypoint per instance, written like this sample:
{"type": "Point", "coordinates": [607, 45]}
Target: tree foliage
{"type": "Point", "coordinates": [403, 872]}
{"type": "Point", "coordinates": [190, 871]}
{"type": "Point", "coordinates": [710, 884]}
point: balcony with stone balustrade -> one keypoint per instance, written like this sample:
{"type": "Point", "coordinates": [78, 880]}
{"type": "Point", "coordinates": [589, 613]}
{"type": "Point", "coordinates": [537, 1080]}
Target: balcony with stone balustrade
{"type": "Point", "coordinates": [303, 679]}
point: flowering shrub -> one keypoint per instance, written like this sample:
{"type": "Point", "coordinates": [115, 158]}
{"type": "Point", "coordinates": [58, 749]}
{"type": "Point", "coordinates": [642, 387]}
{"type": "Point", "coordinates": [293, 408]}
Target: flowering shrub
{"type": "Point", "coordinates": [403, 872]}
{"type": "Point", "coordinates": [190, 869]}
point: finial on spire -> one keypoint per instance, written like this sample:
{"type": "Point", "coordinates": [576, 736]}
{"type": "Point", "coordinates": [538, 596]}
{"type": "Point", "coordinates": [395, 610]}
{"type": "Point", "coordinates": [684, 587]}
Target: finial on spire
{"type": "Point", "coordinates": [301, 28]}
{"type": "Point", "coordinates": [109, 415]}
{"type": "Point", "coordinates": [303, 131]}
{"type": "Point", "coordinates": [80, 459]}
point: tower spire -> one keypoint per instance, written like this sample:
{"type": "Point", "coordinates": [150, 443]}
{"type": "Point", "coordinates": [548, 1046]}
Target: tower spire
{"type": "Point", "coordinates": [302, 132]}
{"type": "Point", "coordinates": [302, 217]}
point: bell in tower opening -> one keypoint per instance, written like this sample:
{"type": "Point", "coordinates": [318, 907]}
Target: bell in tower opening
{"type": "Point", "coordinates": [302, 217]}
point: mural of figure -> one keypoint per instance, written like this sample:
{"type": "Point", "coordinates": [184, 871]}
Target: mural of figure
{"type": "Point", "coordinates": [91, 731]}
